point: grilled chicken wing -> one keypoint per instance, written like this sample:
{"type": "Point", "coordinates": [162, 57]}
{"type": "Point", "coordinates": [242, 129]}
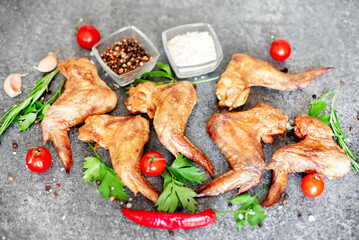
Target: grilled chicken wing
{"type": "Point", "coordinates": [316, 153]}
{"type": "Point", "coordinates": [244, 71]}
{"type": "Point", "coordinates": [170, 106]}
{"type": "Point", "coordinates": [125, 138]}
{"type": "Point", "coordinates": [85, 95]}
{"type": "Point", "coordinates": [238, 136]}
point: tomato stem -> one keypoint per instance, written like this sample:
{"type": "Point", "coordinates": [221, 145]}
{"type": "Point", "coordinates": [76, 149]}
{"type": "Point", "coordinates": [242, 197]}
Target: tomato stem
{"type": "Point", "coordinates": [152, 160]}
{"type": "Point", "coordinates": [78, 25]}
{"type": "Point", "coordinates": [37, 151]}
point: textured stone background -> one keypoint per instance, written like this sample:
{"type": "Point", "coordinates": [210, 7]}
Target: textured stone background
{"type": "Point", "coordinates": [321, 33]}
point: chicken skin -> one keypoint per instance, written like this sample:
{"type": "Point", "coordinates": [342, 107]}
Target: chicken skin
{"type": "Point", "coordinates": [170, 106]}
{"type": "Point", "coordinates": [125, 138]}
{"type": "Point", "coordinates": [244, 71]}
{"type": "Point", "coordinates": [85, 95]}
{"type": "Point", "coordinates": [239, 135]}
{"type": "Point", "coordinates": [316, 153]}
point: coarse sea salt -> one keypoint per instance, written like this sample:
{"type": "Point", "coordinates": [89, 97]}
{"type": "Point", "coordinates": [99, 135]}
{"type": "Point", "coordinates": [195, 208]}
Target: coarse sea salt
{"type": "Point", "coordinates": [192, 48]}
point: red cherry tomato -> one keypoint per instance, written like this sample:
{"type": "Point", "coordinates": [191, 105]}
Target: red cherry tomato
{"type": "Point", "coordinates": [38, 159]}
{"type": "Point", "coordinates": [87, 36]}
{"type": "Point", "coordinates": [153, 163]}
{"type": "Point", "coordinates": [312, 185]}
{"type": "Point", "coordinates": [280, 50]}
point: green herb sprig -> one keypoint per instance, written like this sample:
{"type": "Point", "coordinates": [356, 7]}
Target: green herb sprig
{"type": "Point", "coordinates": [29, 105]}
{"type": "Point", "coordinates": [36, 112]}
{"type": "Point", "coordinates": [331, 119]}
{"type": "Point", "coordinates": [110, 185]}
{"type": "Point", "coordinates": [250, 211]}
{"type": "Point", "coordinates": [175, 194]}
{"type": "Point", "coordinates": [164, 73]}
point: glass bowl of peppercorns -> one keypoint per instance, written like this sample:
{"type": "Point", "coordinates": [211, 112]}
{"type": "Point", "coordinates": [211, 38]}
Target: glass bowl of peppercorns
{"type": "Point", "coordinates": [126, 54]}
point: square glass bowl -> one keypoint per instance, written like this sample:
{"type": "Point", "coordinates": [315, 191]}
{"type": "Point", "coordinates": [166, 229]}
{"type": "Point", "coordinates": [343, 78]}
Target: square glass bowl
{"type": "Point", "coordinates": [192, 70]}
{"type": "Point", "coordinates": [130, 32]}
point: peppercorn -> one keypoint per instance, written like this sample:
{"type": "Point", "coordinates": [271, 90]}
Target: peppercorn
{"type": "Point", "coordinates": [48, 187]}
{"type": "Point", "coordinates": [125, 56]}
{"type": "Point", "coordinates": [14, 145]}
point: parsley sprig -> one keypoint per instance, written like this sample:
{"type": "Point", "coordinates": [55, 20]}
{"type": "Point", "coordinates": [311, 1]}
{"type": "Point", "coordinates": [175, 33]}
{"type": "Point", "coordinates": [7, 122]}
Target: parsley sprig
{"type": "Point", "coordinates": [250, 211]}
{"type": "Point", "coordinates": [29, 105]}
{"type": "Point", "coordinates": [110, 185]}
{"type": "Point", "coordinates": [331, 119]}
{"type": "Point", "coordinates": [165, 72]}
{"type": "Point", "coordinates": [175, 194]}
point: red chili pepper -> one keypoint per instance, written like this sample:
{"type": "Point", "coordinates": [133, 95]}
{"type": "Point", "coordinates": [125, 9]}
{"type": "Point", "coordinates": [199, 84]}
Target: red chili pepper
{"type": "Point", "coordinates": [170, 221]}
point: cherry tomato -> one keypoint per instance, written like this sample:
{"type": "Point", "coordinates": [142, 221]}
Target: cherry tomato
{"type": "Point", "coordinates": [153, 163]}
{"type": "Point", "coordinates": [87, 36]}
{"type": "Point", "coordinates": [312, 185]}
{"type": "Point", "coordinates": [38, 159]}
{"type": "Point", "coordinates": [280, 50]}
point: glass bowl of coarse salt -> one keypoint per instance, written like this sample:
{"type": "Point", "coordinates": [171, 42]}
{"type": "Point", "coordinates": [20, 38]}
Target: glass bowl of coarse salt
{"type": "Point", "coordinates": [192, 49]}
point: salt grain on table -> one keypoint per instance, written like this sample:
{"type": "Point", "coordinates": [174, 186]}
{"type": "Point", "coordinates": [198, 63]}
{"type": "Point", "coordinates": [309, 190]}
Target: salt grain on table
{"type": "Point", "coordinates": [311, 218]}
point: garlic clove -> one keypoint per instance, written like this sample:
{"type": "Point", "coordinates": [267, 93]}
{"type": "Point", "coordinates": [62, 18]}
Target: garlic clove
{"type": "Point", "coordinates": [47, 64]}
{"type": "Point", "coordinates": [13, 84]}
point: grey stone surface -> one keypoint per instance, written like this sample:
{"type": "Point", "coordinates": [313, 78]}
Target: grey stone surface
{"type": "Point", "coordinates": [321, 33]}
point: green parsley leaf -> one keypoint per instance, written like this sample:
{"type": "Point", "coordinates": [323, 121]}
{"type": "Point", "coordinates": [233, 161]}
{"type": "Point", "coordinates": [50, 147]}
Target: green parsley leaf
{"type": "Point", "coordinates": [175, 194]}
{"type": "Point", "coordinates": [26, 121]}
{"type": "Point", "coordinates": [317, 107]}
{"type": "Point", "coordinates": [186, 197]}
{"type": "Point", "coordinates": [165, 67]}
{"type": "Point", "coordinates": [110, 183]}
{"type": "Point", "coordinates": [168, 200]}
{"type": "Point", "coordinates": [250, 211]}
{"type": "Point", "coordinates": [35, 110]}
{"type": "Point", "coordinates": [184, 171]}
{"type": "Point", "coordinates": [94, 169]}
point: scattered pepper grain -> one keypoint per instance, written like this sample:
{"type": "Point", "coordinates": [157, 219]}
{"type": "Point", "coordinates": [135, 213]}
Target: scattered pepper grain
{"type": "Point", "coordinates": [171, 233]}
{"type": "Point", "coordinates": [14, 145]}
{"type": "Point", "coordinates": [285, 70]}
